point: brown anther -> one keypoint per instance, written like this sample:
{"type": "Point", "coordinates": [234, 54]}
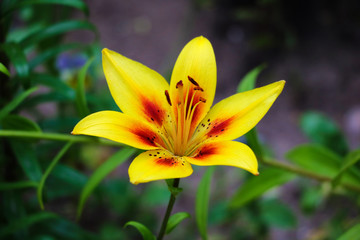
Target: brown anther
{"type": "Point", "coordinates": [168, 97]}
{"type": "Point", "coordinates": [198, 88]}
{"type": "Point", "coordinates": [201, 99]}
{"type": "Point", "coordinates": [193, 81]}
{"type": "Point", "coordinates": [179, 84]}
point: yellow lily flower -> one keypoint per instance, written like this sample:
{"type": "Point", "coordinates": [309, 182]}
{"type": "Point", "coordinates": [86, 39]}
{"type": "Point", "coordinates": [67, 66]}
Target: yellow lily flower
{"type": "Point", "coordinates": [175, 123]}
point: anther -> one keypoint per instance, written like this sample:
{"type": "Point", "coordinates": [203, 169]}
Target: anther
{"type": "Point", "coordinates": [198, 88]}
{"type": "Point", "coordinates": [179, 84]}
{"type": "Point", "coordinates": [193, 81]}
{"type": "Point", "coordinates": [201, 99]}
{"type": "Point", "coordinates": [168, 97]}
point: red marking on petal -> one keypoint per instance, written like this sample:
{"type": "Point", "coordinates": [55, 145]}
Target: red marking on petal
{"type": "Point", "coordinates": [153, 111]}
{"type": "Point", "coordinates": [219, 127]}
{"type": "Point", "coordinates": [167, 161]}
{"type": "Point", "coordinates": [146, 136]}
{"type": "Point", "coordinates": [206, 151]}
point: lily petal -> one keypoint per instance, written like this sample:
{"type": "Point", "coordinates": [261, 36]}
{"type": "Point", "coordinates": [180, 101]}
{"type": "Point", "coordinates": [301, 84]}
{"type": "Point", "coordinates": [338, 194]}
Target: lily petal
{"type": "Point", "coordinates": [236, 115]}
{"type": "Point", "coordinates": [196, 69]}
{"type": "Point", "coordinates": [228, 153]}
{"type": "Point", "coordinates": [156, 165]}
{"type": "Point", "coordinates": [136, 89]}
{"type": "Point", "coordinates": [121, 128]}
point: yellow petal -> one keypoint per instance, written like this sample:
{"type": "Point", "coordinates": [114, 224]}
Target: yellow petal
{"type": "Point", "coordinates": [236, 115]}
{"type": "Point", "coordinates": [156, 165]}
{"type": "Point", "coordinates": [197, 62]}
{"type": "Point", "coordinates": [228, 153]}
{"type": "Point", "coordinates": [121, 128]}
{"type": "Point", "coordinates": [136, 89]}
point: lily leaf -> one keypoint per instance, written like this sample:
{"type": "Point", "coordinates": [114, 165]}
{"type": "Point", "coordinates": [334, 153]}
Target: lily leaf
{"type": "Point", "coordinates": [275, 213]}
{"type": "Point", "coordinates": [351, 234]}
{"type": "Point", "coordinates": [350, 160]}
{"type": "Point", "coordinates": [5, 186]}
{"type": "Point", "coordinates": [48, 171]}
{"type": "Point", "coordinates": [144, 231]}
{"type": "Point", "coordinates": [16, 122]}
{"type": "Point", "coordinates": [202, 202]}
{"type": "Point", "coordinates": [4, 70]}
{"type": "Point", "coordinates": [80, 90]}
{"type": "Point", "coordinates": [175, 219]}
{"type": "Point", "coordinates": [249, 80]}
{"type": "Point", "coordinates": [101, 172]}
{"type": "Point", "coordinates": [16, 102]}
{"type": "Point", "coordinates": [256, 186]}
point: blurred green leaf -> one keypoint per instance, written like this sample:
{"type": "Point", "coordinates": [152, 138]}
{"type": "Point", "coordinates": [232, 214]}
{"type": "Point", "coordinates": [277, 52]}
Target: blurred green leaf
{"type": "Point", "coordinates": [25, 222]}
{"type": "Point", "coordinates": [249, 80]}
{"type": "Point", "coordinates": [5, 186]}
{"type": "Point", "coordinates": [350, 160]}
{"type": "Point", "coordinates": [352, 234]}
{"type": "Point", "coordinates": [18, 59]}
{"type": "Point", "coordinates": [26, 157]}
{"type": "Point", "coordinates": [16, 102]}
{"type": "Point", "coordinates": [258, 185]}
{"type": "Point", "coordinates": [4, 70]}
{"type": "Point", "coordinates": [322, 130]}
{"type": "Point", "coordinates": [48, 171]}
{"type": "Point", "coordinates": [56, 29]}
{"type": "Point", "coordinates": [145, 232]}
{"type": "Point", "coordinates": [202, 202]}
{"type": "Point", "coordinates": [80, 90]}
{"type": "Point", "coordinates": [52, 52]}
{"type": "Point", "coordinates": [276, 214]}
{"type": "Point", "coordinates": [16, 122]}
{"type": "Point", "coordinates": [54, 83]}
{"type": "Point", "coordinates": [320, 160]}
{"type": "Point", "coordinates": [175, 219]}
{"type": "Point", "coordinates": [101, 172]}
{"type": "Point", "coordinates": [311, 198]}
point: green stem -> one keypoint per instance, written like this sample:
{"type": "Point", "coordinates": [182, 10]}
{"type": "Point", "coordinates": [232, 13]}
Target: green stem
{"type": "Point", "coordinates": [56, 137]}
{"type": "Point", "coordinates": [168, 210]}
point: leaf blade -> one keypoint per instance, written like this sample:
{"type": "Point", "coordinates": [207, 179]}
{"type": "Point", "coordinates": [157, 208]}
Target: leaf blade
{"type": "Point", "coordinates": [80, 90]}
{"type": "Point", "coordinates": [144, 231]}
{"type": "Point", "coordinates": [175, 219]}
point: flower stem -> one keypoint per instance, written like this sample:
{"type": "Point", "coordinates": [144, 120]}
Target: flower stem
{"type": "Point", "coordinates": [168, 210]}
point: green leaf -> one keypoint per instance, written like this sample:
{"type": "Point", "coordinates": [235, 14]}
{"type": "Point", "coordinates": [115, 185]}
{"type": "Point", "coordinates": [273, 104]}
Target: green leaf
{"type": "Point", "coordinates": [16, 122]}
{"type": "Point", "coordinates": [322, 130]}
{"type": "Point", "coordinates": [276, 214]}
{"type": "Point", "coordinates": [18, 59]}
{"type": "Point", "coordinates": [352, 234]}
{"type": "Point", "coordinates": [4, 70]}
{"type": "Point", "coordinates": [320, 160]}
{"type": "Point", "coordinates": [54, 83]}
{"type": "Point", "coordinates": [56, 29]}
{"type": "Point", "coordinates": [173, 190]}
{"type": "Point", "coordinates": [48, 171]}
{"type": "Point", "coordinates": [16, 102]}
{"type": "Point", "coordinates": [25, 222]}
{"type": "Point", "coordinates": [258, 185]}
{"type": "Point", "coordinates": [350, 160]}
{"type": "Point", "coordinates": [249, 80]}
{"type": "Point", "coordinates": [253, 142]}
{"type": "Point", "coordinates": [5, 186]}
{"type": "Point", "coordinates": [52, 52]}
{"type": "Point", "coordinates": [80, 90]}
{"type": "Point", "coordinates": [26, 157]}
{"type": "Point", "coordinates": [101, 172]}
{"type": "Point", "coordinates": [175, 219]}
{"type": "Point", "coordinates": [202, 202]}
{"type": "Point", "coordinates": [144, 231]}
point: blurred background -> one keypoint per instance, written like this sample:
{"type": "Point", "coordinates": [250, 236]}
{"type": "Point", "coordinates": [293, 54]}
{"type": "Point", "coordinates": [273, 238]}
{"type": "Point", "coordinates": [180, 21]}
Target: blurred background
{"type": "Point", "coordinates": [313, 45]}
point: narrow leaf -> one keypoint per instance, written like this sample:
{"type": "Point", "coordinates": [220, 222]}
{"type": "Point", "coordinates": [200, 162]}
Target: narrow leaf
{"type": "Point", "coordinates": [5, 186]}
{"type": "Point", "coordinates": [202, 202]}
{"type": "Point", "coordinates": [16, 122]}
{"type": "Point", "coordinates": [54, 83]}
{"type": "Point", "coordinates": [25, 222]}
{"type": "Point", "coordinates": [79, 4]}
{"type": "Point", "coordinates": [48, 171]}
{"type": "Point", "coordinates": [256, 186]}
{"type": "Point", "coordinates": [101, 172]}
{"type": "Point", "coordinates": [16, 102]}
{"type": "Point", "coordinates": [4, 70]}
{"type": "Point", "coordinates": [144, 231]}
{"type": "Point", "coordinates": [175, 219]}
{"type": "Point", "coordinates": [349, 161]}
{"type": "Point", "coordinates": [352, 234]}
{"type": "Point", "coordinates": [80, 90]}
{"type": "Point", "coordinates": [26, 157]}
{"type": "Point", "coordinates": [56, 29]}
{"type": "Point", "coordinates": [249, 80]}
{"type": "Point", "coordinates": [277, 214]}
